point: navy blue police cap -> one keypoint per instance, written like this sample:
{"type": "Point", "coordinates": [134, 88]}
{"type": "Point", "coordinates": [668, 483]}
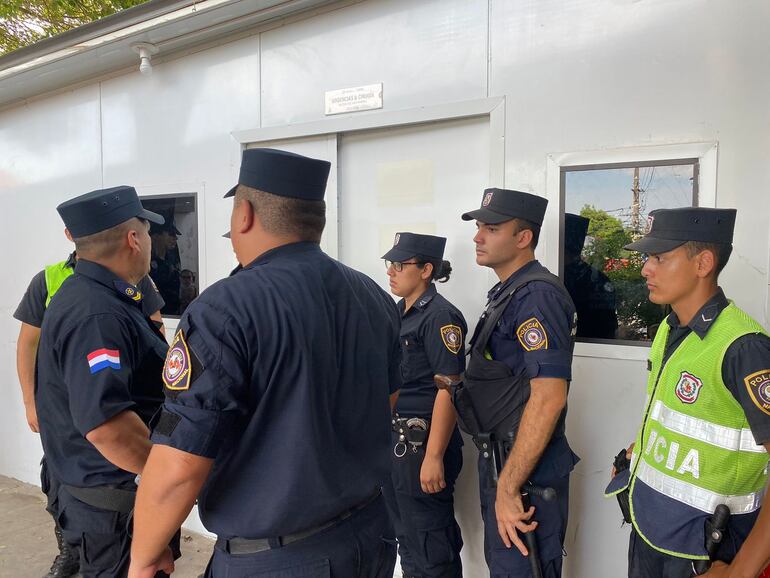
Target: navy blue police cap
{"type": "Point", "coordinates": [103, 209]}
{"type": "Point", "coordinates": [167, 227]}
{"type": "Point", "coordinates": [283, 173]}
{"type": "Point", "coordinates": [408, 245]}
{"type": "Point", "coordinates": [668, 229]}
{"type": "Point", "coordinates": [501, 205]}
{"type": "Point", "coordinates": [575, 231]}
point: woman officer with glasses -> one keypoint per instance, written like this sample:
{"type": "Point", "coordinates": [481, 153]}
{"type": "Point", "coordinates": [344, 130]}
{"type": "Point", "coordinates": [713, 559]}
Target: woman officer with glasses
{"type": "Point", "coordinates": [427, 447]}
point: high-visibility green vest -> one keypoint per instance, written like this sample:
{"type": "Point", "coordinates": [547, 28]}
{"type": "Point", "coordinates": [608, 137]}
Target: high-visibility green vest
{"type": "Point", "coordinates": [55, 276]}
{"type": "Point", "coordinates": [694, 450]}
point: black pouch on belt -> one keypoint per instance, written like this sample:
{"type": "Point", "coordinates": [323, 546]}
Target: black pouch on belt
{"type": "Point", "coordinates": [619, 485]}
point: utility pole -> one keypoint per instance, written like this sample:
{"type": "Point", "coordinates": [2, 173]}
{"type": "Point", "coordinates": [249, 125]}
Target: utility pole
{"type": "Point", "coordinates": [635, 206]}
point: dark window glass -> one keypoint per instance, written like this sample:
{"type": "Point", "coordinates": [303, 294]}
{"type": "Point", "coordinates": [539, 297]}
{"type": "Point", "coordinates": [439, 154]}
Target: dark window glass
{"type": "Point", "coordinates": [174, 264]}
{"type": "Point", "coordinates": [607, 207]}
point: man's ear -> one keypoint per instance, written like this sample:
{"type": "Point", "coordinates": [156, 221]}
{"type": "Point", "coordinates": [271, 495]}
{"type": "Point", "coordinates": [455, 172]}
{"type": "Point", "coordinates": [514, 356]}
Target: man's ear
{"type": "Point", "coordinates": [244, 216]}
{"type": "Point", "coordinates": [524, 238]}
{"type": "Point", "coordinates": [132, 238]}
{"type": "Point", "coordinates": [707, 263]}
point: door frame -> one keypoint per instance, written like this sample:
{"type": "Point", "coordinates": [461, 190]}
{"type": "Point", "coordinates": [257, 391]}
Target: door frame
{"type": "Point", "coordinates": [333, 127]}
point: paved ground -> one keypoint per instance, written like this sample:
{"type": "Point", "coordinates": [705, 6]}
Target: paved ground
{"type": "Point", "coordinates": [27, 543]}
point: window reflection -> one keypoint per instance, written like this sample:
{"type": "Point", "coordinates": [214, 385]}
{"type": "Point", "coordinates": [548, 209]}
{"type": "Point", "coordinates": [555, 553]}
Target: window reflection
{"type": "Point", "coordinates": [606, 207]}
{"type": "Point", "coordinates": [174, 261]}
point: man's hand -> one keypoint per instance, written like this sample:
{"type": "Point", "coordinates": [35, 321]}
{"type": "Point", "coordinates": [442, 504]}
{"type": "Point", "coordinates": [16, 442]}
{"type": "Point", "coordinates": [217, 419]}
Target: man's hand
{"type": "Point", "coordinates": [31, 412]}
{"type": "Point", "coordinates": [432, 474]}
{"type": "Point", "coordinates": [511, 517]}
{"type": "Point", "coordinates": [164, 564]}
{"type": "Point", "coordinates": [629, 453]}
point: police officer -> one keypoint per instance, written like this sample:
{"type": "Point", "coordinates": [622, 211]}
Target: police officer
{"type": "Point", "coordinates": [165, 267]}
{"type": "Point", "coordinates": [516, 385]}
{"type": "Point", "coordinates": [30, 312]}
{"type": "Point", "coordinates": [278, 383]}
{"type": "Point", "coordinates": [706, 428]}
{"type": "Point", "coordinates": [98, 376]}
{"type": "Point", "coordinates": [590, 289]}
{"type": "Point", "coordinates": [427, 447]}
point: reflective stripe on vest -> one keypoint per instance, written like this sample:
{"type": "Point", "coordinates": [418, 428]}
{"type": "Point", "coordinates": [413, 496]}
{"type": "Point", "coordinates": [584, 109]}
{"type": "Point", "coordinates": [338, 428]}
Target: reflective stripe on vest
{"type": "Point", "coordinates": [700, 498]}
{"type": "Point", "coordinates": [55, 275]}
{"type": "Point", "coordinates": [721, 436]}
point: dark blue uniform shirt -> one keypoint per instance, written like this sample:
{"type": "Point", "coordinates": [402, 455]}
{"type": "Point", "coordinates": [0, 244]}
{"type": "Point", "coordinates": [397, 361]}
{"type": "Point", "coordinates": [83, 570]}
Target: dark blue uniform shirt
{"type": "Point", "coordinates": [535, 331]}
{"type": "Point", "coordinates": [32, 306]}
{"type": "Point", "coordinates": [432, 341]}
{"type": "Point", "coordinates": [292, 360]}
{"type": "Point", "coordinates": [98, 356]}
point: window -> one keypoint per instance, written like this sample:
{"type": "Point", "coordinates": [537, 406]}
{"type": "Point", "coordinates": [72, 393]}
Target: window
{"type": "Point", "coordinates": [174, 264]}
{"type": "Point", "coordinates": [606, 207]}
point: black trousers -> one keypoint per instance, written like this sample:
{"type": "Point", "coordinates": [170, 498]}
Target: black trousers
{"type": "Point", "coordinates": [104, 537]}
{"type": "Point", "coordinates": [644, 561]}
{"type": "Point", "coordinates": [359, 547]}
{"type": "Point", "coordinates": [552, 526]}
{"type": "Point", "coordinates": [429, 539]}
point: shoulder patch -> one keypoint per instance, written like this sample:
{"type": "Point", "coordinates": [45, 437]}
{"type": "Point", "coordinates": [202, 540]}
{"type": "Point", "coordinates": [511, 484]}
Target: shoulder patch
{"type": "Point", "coordinates": [177, 371]}
{"type": "Point", "coordinates": [758, 385]}
{"type": "Point", "coordinates": [452, 336]}
{"type": "Point", "coordinates": [532, 335]}
{"type": "Point", "coordinates": [103, 359]}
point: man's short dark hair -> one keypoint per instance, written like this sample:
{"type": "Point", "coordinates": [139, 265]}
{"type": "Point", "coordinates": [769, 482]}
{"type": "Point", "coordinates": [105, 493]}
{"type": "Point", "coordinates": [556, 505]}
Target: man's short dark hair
{"type": "Point", "coordinates": [286, 216]}
{"type": "Point", "coordinates": [524, 225]}
{"type": "Point", "coordinates": [721, 252]}
{"type": "Point", "coordinates": [104, 244]}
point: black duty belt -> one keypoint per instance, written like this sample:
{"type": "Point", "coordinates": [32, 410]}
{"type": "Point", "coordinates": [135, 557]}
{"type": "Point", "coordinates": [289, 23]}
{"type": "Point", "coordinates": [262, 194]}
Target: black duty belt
{"type": "Point", "coordinates": [105, 497]}
{"type": "Point", "coordinates": [254, 545]}
{"type": "Point", "coordinates": [412, 431]}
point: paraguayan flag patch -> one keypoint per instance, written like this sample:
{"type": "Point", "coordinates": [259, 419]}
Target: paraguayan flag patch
{"type": "Point", "coordinates": [102, 359]}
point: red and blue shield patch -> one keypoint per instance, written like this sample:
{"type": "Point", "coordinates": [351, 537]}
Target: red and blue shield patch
{"type": "Point", "coordinates": [688, 387]}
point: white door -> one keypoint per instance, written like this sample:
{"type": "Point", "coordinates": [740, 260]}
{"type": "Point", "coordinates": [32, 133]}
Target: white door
{"type": "Point", "coordinates": [421, 179]}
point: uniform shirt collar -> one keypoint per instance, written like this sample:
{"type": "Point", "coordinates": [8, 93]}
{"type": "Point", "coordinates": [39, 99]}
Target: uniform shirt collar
{"type": "Point", "coordinates": [502, 285]}
{"type": "Point", "coordinates": [71, 260]}
{"type": "Point", "coordinates": [705, 317]}
{"type": "Point", "coordinates": [102, 275]}
{"type": "Point", "coordinates": [288, 250]}
{"type": "Point", "coordinates": [422, 300]}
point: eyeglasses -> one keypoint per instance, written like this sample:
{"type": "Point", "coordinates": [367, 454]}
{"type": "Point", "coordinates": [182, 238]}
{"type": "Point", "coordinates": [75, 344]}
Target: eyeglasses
{"type": "Point", "coordinates": [398, 266]}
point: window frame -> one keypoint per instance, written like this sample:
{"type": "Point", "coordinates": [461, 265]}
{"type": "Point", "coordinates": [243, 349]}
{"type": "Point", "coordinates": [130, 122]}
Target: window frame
{"type": "Point", "coordinates": [704, 157]}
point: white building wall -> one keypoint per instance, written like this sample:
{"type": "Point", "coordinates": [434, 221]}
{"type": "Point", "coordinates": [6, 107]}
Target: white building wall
{"type": "Point", "coordinates": [587, 75]}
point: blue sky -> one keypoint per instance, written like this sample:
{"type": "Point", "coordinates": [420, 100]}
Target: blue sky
{"type": "Point", "coordinates": [610, 189]}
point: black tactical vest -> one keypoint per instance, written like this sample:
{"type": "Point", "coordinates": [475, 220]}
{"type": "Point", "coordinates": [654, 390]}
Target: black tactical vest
{"type": "Point", "coordinates": [491, 398]}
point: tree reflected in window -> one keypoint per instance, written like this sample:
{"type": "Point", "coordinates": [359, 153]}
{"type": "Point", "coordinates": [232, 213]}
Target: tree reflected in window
{"type": "Point", "coordinates": [606, 208]}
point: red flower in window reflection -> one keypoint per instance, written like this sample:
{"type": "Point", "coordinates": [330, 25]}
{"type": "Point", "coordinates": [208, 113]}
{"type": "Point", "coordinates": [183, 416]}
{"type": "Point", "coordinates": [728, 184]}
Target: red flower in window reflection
{"type": "Point", "coordinates": [613, 264]}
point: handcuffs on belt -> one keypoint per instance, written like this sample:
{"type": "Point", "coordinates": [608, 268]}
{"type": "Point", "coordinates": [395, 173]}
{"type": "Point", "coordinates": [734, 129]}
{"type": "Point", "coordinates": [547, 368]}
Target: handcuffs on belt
{"type": "Point", "coordinates": [412, 431]}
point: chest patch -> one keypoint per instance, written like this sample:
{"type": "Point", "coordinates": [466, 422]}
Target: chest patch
{"type": "Point", "coordinates": [177, 371]}
{"type": "Point", "coordinates": [532, 335]}
{"type": "Point", "coordinates": [688, 387]}
{"type": "Point", "coordinates": [452, 336]}
{"type": "Point", "coordinates": [758, 385]}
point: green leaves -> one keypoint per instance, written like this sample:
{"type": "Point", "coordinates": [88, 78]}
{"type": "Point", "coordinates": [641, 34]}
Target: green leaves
{"type": "Point", "coordinates": [24, 22]}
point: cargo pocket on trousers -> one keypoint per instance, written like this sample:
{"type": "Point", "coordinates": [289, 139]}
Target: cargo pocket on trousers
{"type": "Point", "coordinates": [510, 562]}
{"type": "Point", "coordinates": [440, 546]}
